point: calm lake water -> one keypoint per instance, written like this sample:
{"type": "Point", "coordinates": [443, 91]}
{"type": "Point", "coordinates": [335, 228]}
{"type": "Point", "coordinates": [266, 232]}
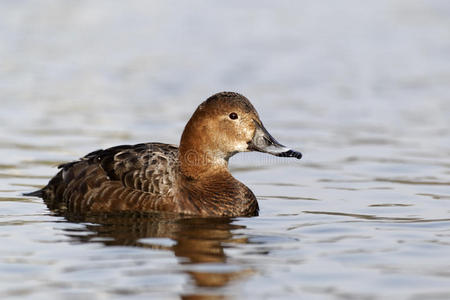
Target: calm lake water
{"type": "Point", "coordinates": [362, 89]}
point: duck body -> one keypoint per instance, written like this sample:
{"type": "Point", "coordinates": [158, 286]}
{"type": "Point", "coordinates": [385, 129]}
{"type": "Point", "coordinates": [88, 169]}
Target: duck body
{"type": "Point", "coordinates": [190, 179]}
{"type": "Point", "coordinates": [144, 178]}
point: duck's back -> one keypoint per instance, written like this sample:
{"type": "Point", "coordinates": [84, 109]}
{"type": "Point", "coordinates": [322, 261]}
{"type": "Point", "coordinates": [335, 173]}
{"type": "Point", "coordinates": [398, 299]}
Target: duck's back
{"type": "Point", "coordinates": [128, 177]}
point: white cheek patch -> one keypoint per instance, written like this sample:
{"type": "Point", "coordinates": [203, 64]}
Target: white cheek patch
{"type": "Point", "coordinates": [246, 136]}
{"type": "Point", "coordinates": [242, 147]}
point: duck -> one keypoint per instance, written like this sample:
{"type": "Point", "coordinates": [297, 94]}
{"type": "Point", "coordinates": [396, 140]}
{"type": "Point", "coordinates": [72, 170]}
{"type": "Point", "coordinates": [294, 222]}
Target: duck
{"type": "Point", "coordinates": [191, 179]}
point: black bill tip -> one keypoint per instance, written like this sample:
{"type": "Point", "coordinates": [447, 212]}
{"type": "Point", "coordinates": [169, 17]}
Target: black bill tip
{"type": "Point", "coordinates": [290, 153]}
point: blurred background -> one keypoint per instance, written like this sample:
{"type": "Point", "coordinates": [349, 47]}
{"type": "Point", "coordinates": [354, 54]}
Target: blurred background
{"type": "Point", "coordinates": [362, 89]}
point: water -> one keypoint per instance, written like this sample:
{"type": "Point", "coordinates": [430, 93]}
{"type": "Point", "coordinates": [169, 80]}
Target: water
{"type": "Point", "coordinates": [362, 89]}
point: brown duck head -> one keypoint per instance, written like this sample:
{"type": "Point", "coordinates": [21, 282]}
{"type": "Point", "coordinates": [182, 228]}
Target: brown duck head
{"type": "Point", "coordinates": [223, 125]}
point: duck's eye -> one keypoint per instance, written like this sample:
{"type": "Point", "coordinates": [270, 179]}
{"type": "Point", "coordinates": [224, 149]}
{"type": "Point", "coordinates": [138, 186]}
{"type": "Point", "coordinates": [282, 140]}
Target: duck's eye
{"type": "Point", "coordinates": [233, 116]}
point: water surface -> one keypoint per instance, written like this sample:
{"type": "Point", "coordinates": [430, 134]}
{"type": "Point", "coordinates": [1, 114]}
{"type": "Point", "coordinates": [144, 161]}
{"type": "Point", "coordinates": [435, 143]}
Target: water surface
{"type": "Point", "coordinates": [362, 90]}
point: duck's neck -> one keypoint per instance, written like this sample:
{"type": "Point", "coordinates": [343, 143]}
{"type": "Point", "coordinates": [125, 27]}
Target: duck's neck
{"type": "Point", "coordinates": [199, 154]}
{"type": "Point", "coordinates": [200, 163]}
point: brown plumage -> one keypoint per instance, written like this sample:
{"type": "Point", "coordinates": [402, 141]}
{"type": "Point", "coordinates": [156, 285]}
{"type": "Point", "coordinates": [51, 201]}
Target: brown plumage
{"type": "Point", "coordinates": [192, 179]}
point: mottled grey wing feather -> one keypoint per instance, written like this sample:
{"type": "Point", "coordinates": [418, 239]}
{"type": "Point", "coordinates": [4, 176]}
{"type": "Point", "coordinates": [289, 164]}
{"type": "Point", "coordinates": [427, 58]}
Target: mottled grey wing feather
{"type": "Point", "coordinates": [119, 178]}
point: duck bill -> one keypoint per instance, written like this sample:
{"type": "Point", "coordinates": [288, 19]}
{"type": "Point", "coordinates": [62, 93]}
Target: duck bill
{"type": "Point", "coordinates": [262, 141]}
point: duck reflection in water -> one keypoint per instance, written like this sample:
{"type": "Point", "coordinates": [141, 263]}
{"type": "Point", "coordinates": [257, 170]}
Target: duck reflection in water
{"type": "Point", "coordinates": [197, 240]}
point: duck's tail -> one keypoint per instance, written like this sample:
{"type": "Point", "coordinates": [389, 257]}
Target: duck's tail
{"type": "Point", "coordinates": [38, 193]}
{"type": "Point", "coordinates": [52, 192]}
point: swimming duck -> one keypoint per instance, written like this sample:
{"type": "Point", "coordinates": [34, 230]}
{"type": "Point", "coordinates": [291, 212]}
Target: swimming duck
{"type": "Point", "coordinates": [190, 179]}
